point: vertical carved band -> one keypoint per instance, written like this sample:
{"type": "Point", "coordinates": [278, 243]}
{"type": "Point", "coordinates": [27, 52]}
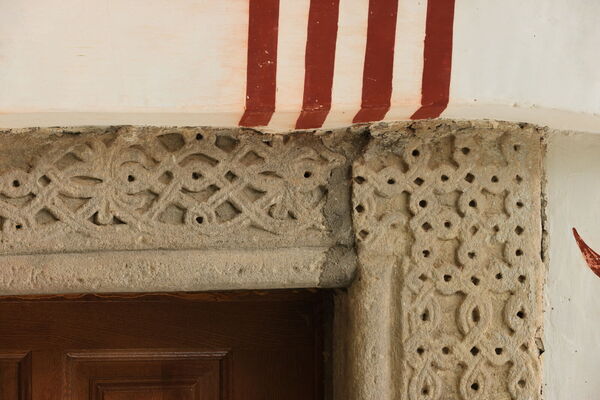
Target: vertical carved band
{"type": "Point", "coordinates": [455, 212]}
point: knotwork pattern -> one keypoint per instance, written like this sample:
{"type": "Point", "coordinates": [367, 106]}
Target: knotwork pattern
{"type": "Point", "coordinates": [137, 188]}
{"type": "Point", "coordinates": [460, 212]}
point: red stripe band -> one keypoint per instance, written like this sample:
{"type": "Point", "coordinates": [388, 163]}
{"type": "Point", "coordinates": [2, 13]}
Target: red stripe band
{"type": "Point", "coordinates": [379, 61]}
{"type": "Point", "coordinates": [435, 91]}
{"type": "Point", "coordinates": [319, 63]}
{"type": "Point", "coordinates": [263, 24]}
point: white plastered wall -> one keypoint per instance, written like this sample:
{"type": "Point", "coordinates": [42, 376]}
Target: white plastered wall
{"type": "Point", "coordinates": [183, 62]}
{"type": "Point", "coordinates": [572, 306]}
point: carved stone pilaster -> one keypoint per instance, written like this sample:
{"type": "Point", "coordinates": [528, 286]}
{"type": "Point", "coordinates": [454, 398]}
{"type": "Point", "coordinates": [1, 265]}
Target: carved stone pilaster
{"type": "Point", "coordinates": [448, 229]}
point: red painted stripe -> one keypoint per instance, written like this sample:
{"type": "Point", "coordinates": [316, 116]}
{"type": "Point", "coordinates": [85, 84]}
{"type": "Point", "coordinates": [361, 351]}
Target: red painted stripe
{"type": "Point", "coordinates": [435, 91]}
{"type": "Point", "coordinates": [261, 72]}
{"type": "Point", "coordinates": [379, 61]}
{"type": "Point", "coordinates": [319, 63]}
{"type": "Point", "coordinates": [591, 257]}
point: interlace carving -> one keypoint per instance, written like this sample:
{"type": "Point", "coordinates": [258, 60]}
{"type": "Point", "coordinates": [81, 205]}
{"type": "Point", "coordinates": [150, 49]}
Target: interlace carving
{"type": "Point", "coordinates": [159, 188]}
{"type": "Point", "coordinates": [459, 211]}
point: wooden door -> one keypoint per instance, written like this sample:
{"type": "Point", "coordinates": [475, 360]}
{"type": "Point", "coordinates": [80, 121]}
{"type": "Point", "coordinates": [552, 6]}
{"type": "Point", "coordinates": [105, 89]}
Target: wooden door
{"type": "Point", "coordinates": [215, 346]}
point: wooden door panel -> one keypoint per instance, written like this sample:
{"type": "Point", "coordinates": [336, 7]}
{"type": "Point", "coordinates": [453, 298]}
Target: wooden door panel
{"type": "Point", "coordinates": [15, 375]}
{"type": "Point", "coordinates": [148, 391]}
{"type": "Point", "coordinates": [213, 346]}
{"type": "Point", "coordinates": [142, 374]}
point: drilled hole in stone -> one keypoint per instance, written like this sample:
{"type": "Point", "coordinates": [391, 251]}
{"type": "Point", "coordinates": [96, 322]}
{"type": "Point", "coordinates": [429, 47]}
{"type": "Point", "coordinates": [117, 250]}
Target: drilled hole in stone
{"type": "Point", "coordinates": [199, 136]}
{"type": "Point", "coordinates": [517, 147]}
{"type": "Point", "coordinates": [473, 203]}
{"type": "Point", "coordinates": [446, 350]}
{"type": "Point", "coordinates": [476, 316]}
{"type": "Point", "coordinates": [423, 203]}
{"type": "Point", "coordinates": [360, 180]}
{"type": "Point", "coordinates": [474, 350]}
{"type": "Point", "coordinates": [196, 176]}
{"type": "Point", "coordinates": [391, 181]}
{"type": "Point", "coordinates": [425, 315]}
{"type": "Point", "coordinates": [519, 230]}
{"type": "Point", "coordinates": [444, 178]}
{"type": "Point", "coordinates": [448, 224]}
{"type": "Point", "coordinates": [360, 208]}
{"type": "Point", "coordinates": [498, 350]}
{"type": "Point", "coordinates": [18, 226]}
{"type": "Point", "coordinates": [475, 386]}
{"type": "Point", "coordinates": [475, 280]}
{"type": "Point", "coordinates": [465, 150]}
{"type": "Point", "coordinates": [447, 278]}
{"type": "Point", "coordinates": [496, 228]}
{"type": "Point", "coordinates": [520, 204]}
{"type": "Point", "coordinates": [518, 178]}
{"type": "Point", "coordinates": [521, 314]}
{"type": "Point", "coordinates": [522, 383]}
{"type": "Point", "coordinates": [16, 183]}
{"type": "Point", "coordinates": [420, 350]}
{"type": "Point", "coordinates": [471, 255]}
{"type": "Point", "coordinates": [426, 226]}
{"type": "Point", "coordinates": [498, 276]}
{"type": "Point", "coordinates": [470, 178]}
{"type": "Point", "coordinates": [307, 174]}
{"type": "Point", "coordinates": [425, 391]}
{"type": "Point", "coordinates": [130, 178]}
{"type": "Point", "coordinates": [423, 277]}
{"type": "Point", "coordinates": [495, 179]}
{"type": "Point", "coordinates": [44, 180]}
{"type": "Point", "coordinates": [522, 278]}
{"type": "Point", "coordinates": [199, 220]}
{"type": "Point", "coordinates": [419, 181]}
{"type": "Point", "coordinates": [416, 153]}
{"type": "Point", "coordinates": [519, 252]}
{"type": "Point", "coordinates": [426, 253]}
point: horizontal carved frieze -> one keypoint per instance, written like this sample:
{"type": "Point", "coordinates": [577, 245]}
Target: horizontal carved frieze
{"type": "Point", "coordinates": [139, 188]}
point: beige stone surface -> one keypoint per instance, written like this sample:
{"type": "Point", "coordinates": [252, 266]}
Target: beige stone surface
{"type": "Point", "coordinates": [127, 188]}
{"type": "Point", "coordinates": [448, 229]}
{"type": "Point", "coordinates": [433, 227]}
{"type": "Point", "coordinates": [169, 271]}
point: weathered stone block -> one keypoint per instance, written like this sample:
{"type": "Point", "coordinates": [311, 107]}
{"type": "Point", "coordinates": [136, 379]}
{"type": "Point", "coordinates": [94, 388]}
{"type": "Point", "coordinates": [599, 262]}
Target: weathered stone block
{"type": "Point", "coordinates": [146, 188]}
{"type": "Point", "coordinates": [457, 208]}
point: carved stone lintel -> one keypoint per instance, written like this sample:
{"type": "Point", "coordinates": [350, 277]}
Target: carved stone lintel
{"type": "Point", "coordinates": [146, 188]}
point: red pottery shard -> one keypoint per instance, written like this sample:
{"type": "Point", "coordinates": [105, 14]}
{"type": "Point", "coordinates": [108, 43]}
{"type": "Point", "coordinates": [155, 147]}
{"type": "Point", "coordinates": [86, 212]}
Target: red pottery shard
{"type": "Point", "coordinates": [591, 257]}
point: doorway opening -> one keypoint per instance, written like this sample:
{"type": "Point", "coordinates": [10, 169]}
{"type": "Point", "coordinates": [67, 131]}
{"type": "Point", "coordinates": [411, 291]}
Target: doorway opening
{"type": "Point", "coordinates": [173, 346]}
